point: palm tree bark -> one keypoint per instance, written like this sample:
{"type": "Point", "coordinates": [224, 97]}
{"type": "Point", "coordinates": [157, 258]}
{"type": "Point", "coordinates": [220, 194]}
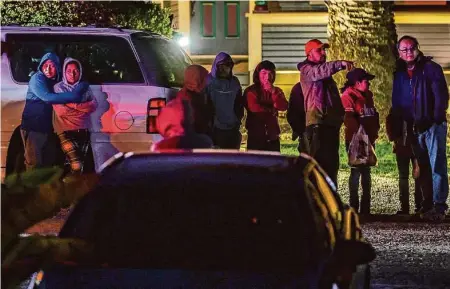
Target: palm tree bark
{"type": "Point", "coordinates": [365, 32]}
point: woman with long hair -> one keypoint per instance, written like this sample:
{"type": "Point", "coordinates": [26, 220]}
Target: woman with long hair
{"type": "Point", "coordinates": [263, 101]}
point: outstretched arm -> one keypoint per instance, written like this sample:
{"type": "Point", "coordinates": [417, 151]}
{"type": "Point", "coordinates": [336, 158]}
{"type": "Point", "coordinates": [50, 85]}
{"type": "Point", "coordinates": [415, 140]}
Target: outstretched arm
{"type": "Point", "coordinates": [321, 71]}
{"type": "Point", "coordinates": [38, 85]}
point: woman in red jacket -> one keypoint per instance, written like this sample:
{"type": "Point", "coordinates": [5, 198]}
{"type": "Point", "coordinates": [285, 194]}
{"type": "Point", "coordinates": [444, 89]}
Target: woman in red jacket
{"type": "Point", "coordinates": [263, 101]}
{"type": "Point", "coordinates": [359, 107]}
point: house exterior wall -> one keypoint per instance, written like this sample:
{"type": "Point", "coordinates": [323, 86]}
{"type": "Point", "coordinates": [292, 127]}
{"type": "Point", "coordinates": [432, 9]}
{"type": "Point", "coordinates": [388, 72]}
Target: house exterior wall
{"type": "Point", "coordinates": [200, 45]}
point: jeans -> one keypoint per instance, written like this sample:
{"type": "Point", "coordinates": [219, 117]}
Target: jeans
{"type": "Point", "coordinates": [403, 184]}
{"type": "Point", "coordinates": [353, 183]}
{"type": "Point", "coordinates": [433, 141]}
{"type": "Point", "coordinates": [39, 149]}
{"type": "Point", "coordinates": [322, 143]}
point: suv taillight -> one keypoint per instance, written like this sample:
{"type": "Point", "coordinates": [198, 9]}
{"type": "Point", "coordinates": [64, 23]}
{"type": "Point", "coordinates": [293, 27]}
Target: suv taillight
{"type": "Point", "coordinates": [153, 108]}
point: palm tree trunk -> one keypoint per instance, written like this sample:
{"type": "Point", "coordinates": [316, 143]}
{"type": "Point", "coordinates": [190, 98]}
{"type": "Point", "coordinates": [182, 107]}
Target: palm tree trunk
{"type": "Point", "coordinates": [364, 32]}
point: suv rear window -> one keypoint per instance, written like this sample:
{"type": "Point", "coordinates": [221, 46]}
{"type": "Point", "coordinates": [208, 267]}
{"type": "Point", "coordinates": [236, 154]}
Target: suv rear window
{"type": "Point", "coordinates": [171, 60]}
{"type": "Point", "coordinates": [105, 59]}
{"type": "Point", "coordinates": [220, 217]}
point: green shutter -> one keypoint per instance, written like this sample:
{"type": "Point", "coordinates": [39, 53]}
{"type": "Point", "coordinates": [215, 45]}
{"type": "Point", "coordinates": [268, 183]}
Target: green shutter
{"type": "Point", "coordinates": [213, 20]}
{"type": "Point", "coordinates": [238, 19]}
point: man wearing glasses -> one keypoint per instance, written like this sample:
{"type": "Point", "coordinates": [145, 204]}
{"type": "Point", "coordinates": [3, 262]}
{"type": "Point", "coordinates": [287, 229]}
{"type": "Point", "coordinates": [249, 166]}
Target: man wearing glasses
{"type": "Point", "coordinates": [420, 97]}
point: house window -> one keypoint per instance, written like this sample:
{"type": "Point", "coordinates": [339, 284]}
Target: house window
{"type": "Point", "coordinates": [232, 19]}
{"type": "Point", "coordinates": [208, 19]}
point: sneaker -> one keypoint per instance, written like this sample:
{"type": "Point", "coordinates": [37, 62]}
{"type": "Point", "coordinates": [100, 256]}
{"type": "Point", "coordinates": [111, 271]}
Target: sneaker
{"type": "Point", "coordinates": [434, 215]}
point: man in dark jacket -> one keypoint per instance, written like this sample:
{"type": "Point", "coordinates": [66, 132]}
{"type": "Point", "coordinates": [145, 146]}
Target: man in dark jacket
{"type": "Point", "coordinates": [420, 94]}
{"type": "Point", "coordinates": [296, 115]}
{"type": "Point", "coordinates": [37, 128]}
{"type": "Point", "coordinates": [324, 111]}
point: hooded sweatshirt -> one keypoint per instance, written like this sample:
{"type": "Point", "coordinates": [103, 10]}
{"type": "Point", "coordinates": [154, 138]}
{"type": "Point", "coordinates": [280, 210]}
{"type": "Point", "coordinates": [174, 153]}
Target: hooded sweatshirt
{"type": "Point", "coordinates": [322, 102]}
{"type": "Point", "coordinates": [38, 110]}
{"type": "Point", "coordinates": [176, 124]}
{"type": "Point", "coordinates": [192, 91]}
{"type": "Point", "coordinates": [72, 116]}
{"type": "Point", "coordinates": [226, 96]}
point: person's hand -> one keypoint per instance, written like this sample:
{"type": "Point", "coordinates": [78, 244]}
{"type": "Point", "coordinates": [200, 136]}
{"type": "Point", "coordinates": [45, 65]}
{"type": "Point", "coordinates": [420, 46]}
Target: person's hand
{"type": "Point", "coordinates": [348, 65]}
{"type": "Point", "coordinates": [267, 86]}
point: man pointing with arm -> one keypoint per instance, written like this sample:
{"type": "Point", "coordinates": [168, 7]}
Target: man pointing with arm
{"type": "Point", "coordinates": [323, 106]}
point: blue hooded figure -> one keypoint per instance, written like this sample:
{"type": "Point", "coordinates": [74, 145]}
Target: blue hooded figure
{"type": "Point", "coordinates": [36, 127]}
{"type": "Point", "coordinates": [225, 92]}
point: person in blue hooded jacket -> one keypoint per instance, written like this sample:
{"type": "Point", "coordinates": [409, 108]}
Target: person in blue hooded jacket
{"type": "Point", "coordinates": [420, 96]}
{"type": "Point", "coordinates": [225, 92]}
{"type": "Point", "coordinates": [36, 127]}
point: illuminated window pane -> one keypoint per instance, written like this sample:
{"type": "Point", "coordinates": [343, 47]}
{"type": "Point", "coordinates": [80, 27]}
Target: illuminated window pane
{"type": "Point", "coordinates": [208, 19]}
{"type": "Point", "coordinates": [232, 19]}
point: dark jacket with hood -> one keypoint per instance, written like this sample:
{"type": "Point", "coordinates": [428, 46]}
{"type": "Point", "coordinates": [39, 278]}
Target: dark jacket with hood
{"type": "Point", "coordinates": [226, 96]}
{"type": "Point", "coordinates": [195, 77]}
{"type": "Point", "coordinates": [38, 111]}
{"type": "Point", "coordinates": [322, 102]}
{"type": "Point", "coordinates": [176, 124]}
{"type": "Point", "coordinates": [422, 99]}
{"type": "Point", "coordinates": [262, 108]}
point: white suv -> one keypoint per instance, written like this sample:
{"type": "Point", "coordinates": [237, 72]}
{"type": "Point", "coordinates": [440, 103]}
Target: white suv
{"type": "Point", "coordinates": [132, 74]}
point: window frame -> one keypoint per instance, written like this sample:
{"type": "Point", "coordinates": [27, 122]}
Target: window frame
{"type": "Point", "coordinates": [213, 20]}
{"type": "Point", "coordinates": [238, 19]}
{"type": "Point", "coordinates": [143, 81]}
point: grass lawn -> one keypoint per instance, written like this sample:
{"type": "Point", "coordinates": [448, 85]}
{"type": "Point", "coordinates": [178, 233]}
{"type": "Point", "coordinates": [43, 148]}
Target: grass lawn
{"type": "Point", "coordinates": [384, 177]}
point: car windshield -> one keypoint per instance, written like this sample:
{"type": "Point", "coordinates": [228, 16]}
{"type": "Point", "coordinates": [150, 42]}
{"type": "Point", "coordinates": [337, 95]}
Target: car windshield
{"type": "Point", "coordinates": [163, 60]}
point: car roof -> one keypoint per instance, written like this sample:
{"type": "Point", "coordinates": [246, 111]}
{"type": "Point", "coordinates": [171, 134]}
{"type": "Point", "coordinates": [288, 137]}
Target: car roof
{"type": "Point", "coordinates": [117, 31]}
{"type": "Point", "coordinates": [139, 161]}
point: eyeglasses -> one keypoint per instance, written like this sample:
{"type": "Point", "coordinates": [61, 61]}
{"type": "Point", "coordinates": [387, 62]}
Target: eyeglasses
{"type": "Point", "coordinates": [406, 49]}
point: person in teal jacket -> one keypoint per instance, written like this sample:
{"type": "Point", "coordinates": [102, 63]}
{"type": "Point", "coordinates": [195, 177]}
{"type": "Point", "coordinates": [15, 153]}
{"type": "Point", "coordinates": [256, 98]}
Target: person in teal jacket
{"type": "Point", "coordinates": [36, 127]}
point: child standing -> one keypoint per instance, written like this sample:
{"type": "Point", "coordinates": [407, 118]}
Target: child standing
{"type": "Point", "coordinates": [72, 120]}
{"type": "Point", "coordinates": [359, 107]}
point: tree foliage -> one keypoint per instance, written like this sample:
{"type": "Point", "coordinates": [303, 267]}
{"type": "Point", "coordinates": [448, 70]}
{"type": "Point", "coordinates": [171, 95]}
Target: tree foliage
{"type": "Point", "coordinates": [142, 15]}
{"type": "Point", "coordinates": [364, 32]}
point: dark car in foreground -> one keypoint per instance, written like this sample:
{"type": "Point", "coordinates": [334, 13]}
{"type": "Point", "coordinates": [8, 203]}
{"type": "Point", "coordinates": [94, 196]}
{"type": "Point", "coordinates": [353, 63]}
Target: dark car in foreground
{"type": "Point", "coordinates": [211, 219]}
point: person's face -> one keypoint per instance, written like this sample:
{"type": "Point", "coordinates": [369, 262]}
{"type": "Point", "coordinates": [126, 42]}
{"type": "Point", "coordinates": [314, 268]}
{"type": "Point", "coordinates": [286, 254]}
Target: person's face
{"type": "Point", "coordinates": [408, 50]}
{"type": "Point", "coordinates": [362, 85]}
{"type": "Point", "coordinates": [224, 70]}
{"type": "Point", "coordinates": [318, 55]}
{"type": "Point", "coordinates": [266, 77]}
{"type": "Point", "coordinates": [49, 69]}
{"type": "Point", "coordinates": [72, 73]}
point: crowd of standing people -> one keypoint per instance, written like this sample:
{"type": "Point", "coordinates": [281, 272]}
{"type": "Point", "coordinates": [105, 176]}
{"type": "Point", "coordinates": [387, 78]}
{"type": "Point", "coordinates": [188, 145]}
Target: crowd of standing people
{"type": "Point", "coordinates": [208, 111]}
{"type": "Point", "coordinates": [316, 111]}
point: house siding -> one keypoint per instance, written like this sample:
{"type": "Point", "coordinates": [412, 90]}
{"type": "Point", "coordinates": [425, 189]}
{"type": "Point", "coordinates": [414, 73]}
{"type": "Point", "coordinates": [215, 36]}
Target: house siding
{"type": "Point", "coordinates": [434, 40]}
{"type": "Point", "coordinates": [284, 44]}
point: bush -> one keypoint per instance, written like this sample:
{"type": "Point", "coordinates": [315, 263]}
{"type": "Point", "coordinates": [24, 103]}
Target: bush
{"type": "Point", "coordinates": [128, 14]}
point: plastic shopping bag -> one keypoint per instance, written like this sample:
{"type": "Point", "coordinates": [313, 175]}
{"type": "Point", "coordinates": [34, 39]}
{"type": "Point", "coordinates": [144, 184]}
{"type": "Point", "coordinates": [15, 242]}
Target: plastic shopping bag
{"type": "Point", "coordinates": [361, 152]}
